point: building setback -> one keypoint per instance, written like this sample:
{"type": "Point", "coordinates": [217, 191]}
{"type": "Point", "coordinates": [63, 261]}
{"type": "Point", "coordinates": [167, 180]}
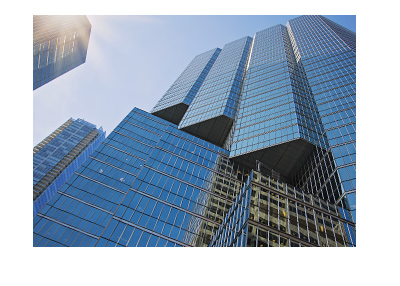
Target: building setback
{"type": "Point", "coordinates": [250, 146]}
{"type": "Point", "coordinates": [59, 155]}
{"type": "Point", "coordinates": [60, 44]}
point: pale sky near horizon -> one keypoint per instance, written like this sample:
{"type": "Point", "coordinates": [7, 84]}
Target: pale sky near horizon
{"type": "Point", "coordinates": [133, 60]}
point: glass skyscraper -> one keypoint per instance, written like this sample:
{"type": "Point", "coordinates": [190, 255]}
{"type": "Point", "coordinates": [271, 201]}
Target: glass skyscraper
{"type": "Point", "coordinates": [60, 44]}
{"type": "Point", "coordinates": [247, 148]}
{"type": "Point", "coordinates": [59, 155]}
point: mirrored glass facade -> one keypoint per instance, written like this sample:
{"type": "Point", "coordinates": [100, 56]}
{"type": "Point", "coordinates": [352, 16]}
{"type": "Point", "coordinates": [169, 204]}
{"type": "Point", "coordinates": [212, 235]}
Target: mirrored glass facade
{"type": "Point", "coordinates": [173, 105]}
{"type": "Point", "coordinates": [250, 147]}
{"type": "Point", "coordinates": [60, 44]}
{"type": "Point", "coordinates": [212, 111]}
{"type": "Point", "coordinates": [277, 123]}
{"type": "Point", "coordinates": [327, 52]}
{"type": "Point", "coordinates": [148, 184]}
{"type": "Point", "coordinates": [59, 155]}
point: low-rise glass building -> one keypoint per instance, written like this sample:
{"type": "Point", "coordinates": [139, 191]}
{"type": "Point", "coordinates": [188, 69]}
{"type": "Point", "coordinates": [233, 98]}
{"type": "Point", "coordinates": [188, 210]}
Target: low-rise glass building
{"type": "Point", "coordinates": [59, 155]}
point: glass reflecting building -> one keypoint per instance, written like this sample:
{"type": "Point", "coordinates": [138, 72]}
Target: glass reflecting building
{"type": "Point", "coordinates": [270, 213]}
{"type": "Point", "coordinates": [59, 155]}
{"type": "Point", "coordinates": [247, 148]}
{"type": "Point", "coordinates": [60, 44]}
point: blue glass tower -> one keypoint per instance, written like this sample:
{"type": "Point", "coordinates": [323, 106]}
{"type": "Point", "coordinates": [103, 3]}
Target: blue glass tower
{"type": "Point", "coordinates": [328, 53]}
{"type": "Point", "coordinates": [277, 122]}
{"type": "Point", "coordinates": [211, 114]}
{"type": "Point", "coordinates": [242, 150]}
{"type": "Point", "coordinates": [59, 155]}
{"type": "Point", "coordinates": [173, 105]}
{"type": "Point", "coordinates": [60, 44]}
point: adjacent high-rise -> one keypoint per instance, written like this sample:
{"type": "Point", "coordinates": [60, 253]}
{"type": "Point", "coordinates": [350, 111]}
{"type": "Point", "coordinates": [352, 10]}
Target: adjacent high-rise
{"type": "Point", "coordinates": [253, 145]}
{"type": "Point", "coordinates": [60, 44]}
{"type": "Point", "coordinates": [59, 155]}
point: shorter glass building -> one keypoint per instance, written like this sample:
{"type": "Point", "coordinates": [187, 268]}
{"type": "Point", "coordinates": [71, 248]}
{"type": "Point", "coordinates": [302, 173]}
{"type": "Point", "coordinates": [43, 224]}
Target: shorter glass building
{"type": "Point", "coordinates": [147, 184]}
{"type": "Point", "coordinates": [60, 44]}
{"type": "Point", "coordinates": [59, 155]}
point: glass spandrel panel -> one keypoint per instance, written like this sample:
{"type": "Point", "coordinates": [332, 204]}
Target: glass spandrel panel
{"type": "Point", "coordinates": [273, 240]}
{"type": "Point", "coordinates": [303, 228]}
{"type": "Point", "coordinates": [262, 238]}
{"type": "Point", "coordinates": [273, 211]}
{"type": "Point", "coordinates": [283, 214]}
{"type": "Point", "coordinates": [294, 230]}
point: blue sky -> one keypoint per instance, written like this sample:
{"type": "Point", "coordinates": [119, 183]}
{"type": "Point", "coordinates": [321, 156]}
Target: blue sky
{"type": "Point", "coordinates": [133, 60]}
